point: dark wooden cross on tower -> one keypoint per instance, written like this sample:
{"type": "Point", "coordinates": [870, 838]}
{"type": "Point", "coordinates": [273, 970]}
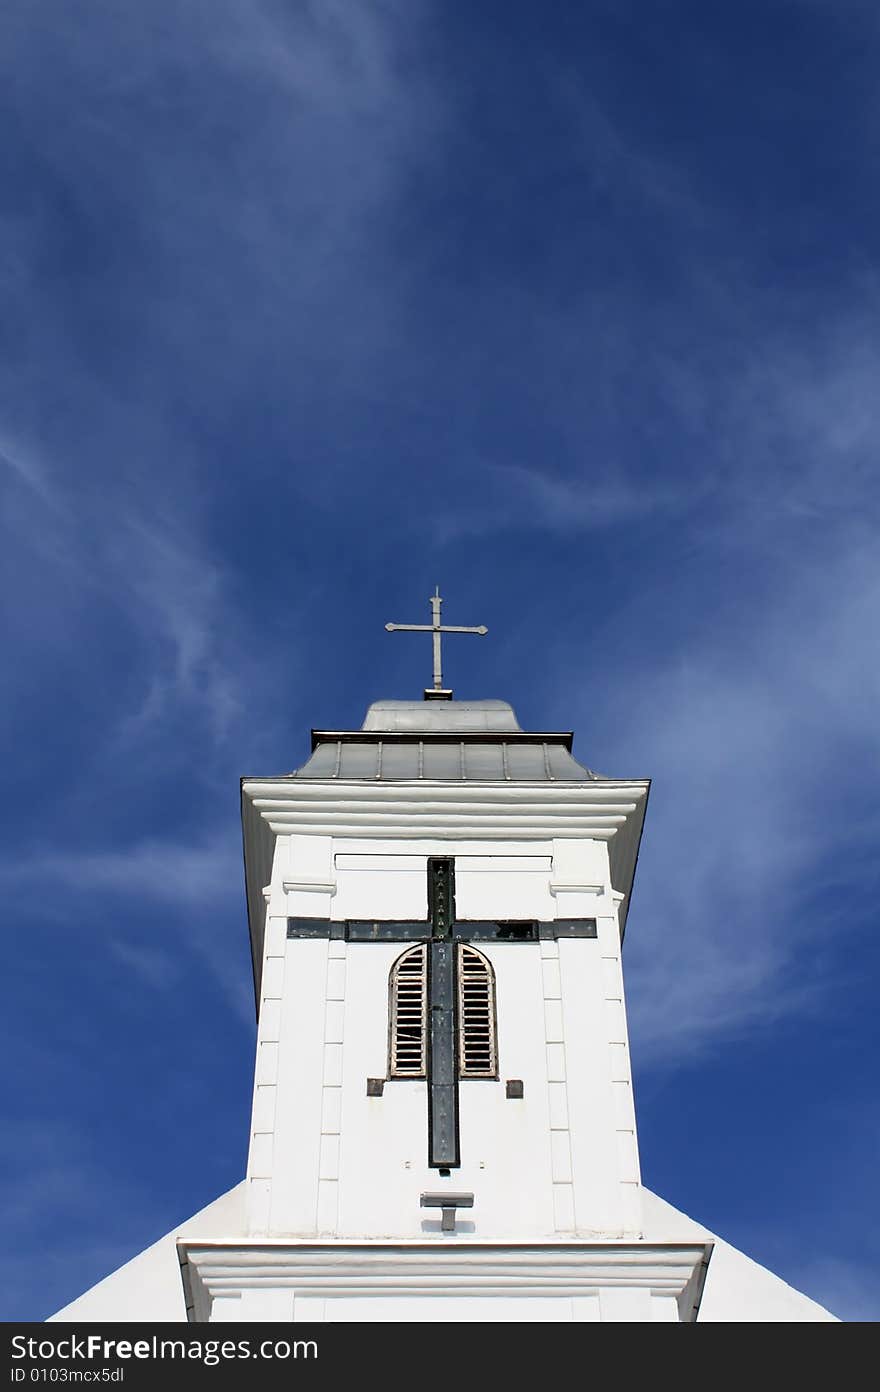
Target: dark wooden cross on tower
{"type": "Point", "coordinates": [442, 1072]}
{"type": "Point", "coordinates": [445, 939]}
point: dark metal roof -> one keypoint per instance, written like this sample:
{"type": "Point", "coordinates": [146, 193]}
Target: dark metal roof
{"type": "Point", "coordinates": [453, 741]}
{"type": "Point", "coordinates": [530, 759]}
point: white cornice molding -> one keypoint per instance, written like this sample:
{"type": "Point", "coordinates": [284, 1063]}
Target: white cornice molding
{"type": "Point", "coordinates": [449, 790]}
{"type": "Point", "coordinates": [498, 811]}
{"type": "Point", "coordinates": [567, 887]}
{"type": "Point", "coordinates": [224, 1268]}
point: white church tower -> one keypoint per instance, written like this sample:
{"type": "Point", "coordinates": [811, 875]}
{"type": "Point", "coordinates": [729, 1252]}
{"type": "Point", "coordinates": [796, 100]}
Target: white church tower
{"type": "Point", "coordinates": [443, 1121]}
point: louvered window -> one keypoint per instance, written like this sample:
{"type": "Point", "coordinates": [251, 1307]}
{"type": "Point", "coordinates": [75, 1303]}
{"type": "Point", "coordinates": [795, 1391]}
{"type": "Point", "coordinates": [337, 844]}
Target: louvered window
{"type": "Point", "coordinates": [477, 1038]}
{"type": "Point", "coordinates": [409, 999]}
{"type": "Point", "coordinates": [477, 1033]}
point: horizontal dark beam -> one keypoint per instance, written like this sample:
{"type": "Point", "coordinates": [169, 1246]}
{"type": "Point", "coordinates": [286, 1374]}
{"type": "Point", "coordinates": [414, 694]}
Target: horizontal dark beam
{"type": "Point", "coordinates": [357, 930]}
{"type": "Point", "coordinates": [490, 931]}
{"type": "Point", "coordinates": [464, 930]}
{"type": "Point", "coordinates": [315, 928]}
{"type": "Point", "coordinates": [568, 928]}
{"type": "Point", "coordinates": [515, 930]}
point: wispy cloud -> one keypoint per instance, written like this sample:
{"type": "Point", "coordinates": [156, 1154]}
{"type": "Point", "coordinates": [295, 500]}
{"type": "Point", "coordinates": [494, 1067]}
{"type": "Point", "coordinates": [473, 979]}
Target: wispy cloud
{"type": "Point", "coordinates": [145, 579]}
{"type": "Point", "coordinates": [62, 1186]}
{"type": "Point", "coordinates": [178, 596]}
{"type": "Point", "coordinates": [299, 299]}
{"type": "Point", "coordinates": [202, 883]}
{"type": "Point", "coordinates": [161, 871]}
{"type": "Point", "coordinates": [755, 738]}
{"type": "Point", "coordinates": [25, 468]}
{"type": "Point", "coordinates": [514, 497]}
{"type": "Point", "coordinates": [202, 267]}
{"type": "Point", "coordinates": [801, 424]}
{"type": "Point", "coordinates": [151, 965]}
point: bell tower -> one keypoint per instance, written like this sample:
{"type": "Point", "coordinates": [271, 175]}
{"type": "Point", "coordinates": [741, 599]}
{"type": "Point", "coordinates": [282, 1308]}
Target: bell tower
{"type": "Point", "coordinates": [443, 1100]}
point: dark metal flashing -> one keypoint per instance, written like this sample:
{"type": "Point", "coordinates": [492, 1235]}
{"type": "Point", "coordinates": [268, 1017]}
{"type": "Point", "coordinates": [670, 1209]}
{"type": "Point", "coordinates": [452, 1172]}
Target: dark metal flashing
{"type": "Point", "coordinates": [563, 737]}
{"type": "Point", "coordinates": [466, 930]}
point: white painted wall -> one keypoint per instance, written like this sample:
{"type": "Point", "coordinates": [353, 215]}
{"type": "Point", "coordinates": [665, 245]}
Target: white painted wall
{"type": "Point", "coordinates": [326, 1159]}
{"type": "Point", "coordinates": [504, 1142]}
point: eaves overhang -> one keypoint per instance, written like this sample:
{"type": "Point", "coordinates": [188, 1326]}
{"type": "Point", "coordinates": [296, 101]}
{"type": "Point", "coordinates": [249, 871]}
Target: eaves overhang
{"type": "Point", "coordinates": [565, 1268]}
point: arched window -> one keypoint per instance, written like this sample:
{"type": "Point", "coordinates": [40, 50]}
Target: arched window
{"type": "Point", "coordinates": [409, 1009]}
{"type": "Point", "coordinates": [477, 1051]}
{"type": "Point", "coordinates": [477, 1034]}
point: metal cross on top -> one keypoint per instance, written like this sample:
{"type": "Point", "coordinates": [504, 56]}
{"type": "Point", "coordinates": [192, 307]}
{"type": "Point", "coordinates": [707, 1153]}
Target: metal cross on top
{"type": "Point", "coordinates": [438, 692]}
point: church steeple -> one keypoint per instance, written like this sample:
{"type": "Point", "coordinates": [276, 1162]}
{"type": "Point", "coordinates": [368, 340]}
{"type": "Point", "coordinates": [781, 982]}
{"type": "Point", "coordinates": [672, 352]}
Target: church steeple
{"type": "Point", "coordinates": [443, 1121]}
{"type": "Point", "coordinates": [441, 1009]}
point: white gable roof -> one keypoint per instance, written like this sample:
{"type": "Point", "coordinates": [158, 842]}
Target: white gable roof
{"type": "Point", "coordinates": [149, 1286]}
{"type": "Point", "coordinates": [737, 1290]}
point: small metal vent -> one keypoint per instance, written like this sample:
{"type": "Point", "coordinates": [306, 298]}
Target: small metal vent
{"type": "Point", "coordinates": [409, 999]}
{"type": "Point", "coordinates": [477, 1039]}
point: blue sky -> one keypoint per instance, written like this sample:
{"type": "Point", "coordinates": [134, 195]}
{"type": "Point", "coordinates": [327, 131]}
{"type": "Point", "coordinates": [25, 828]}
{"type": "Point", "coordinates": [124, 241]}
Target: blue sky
{"type": "Point", "coordinates": [570, 309]}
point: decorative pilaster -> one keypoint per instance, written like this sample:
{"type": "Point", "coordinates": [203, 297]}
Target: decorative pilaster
{"type": "Point", "coordinates": [331, 1096]}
